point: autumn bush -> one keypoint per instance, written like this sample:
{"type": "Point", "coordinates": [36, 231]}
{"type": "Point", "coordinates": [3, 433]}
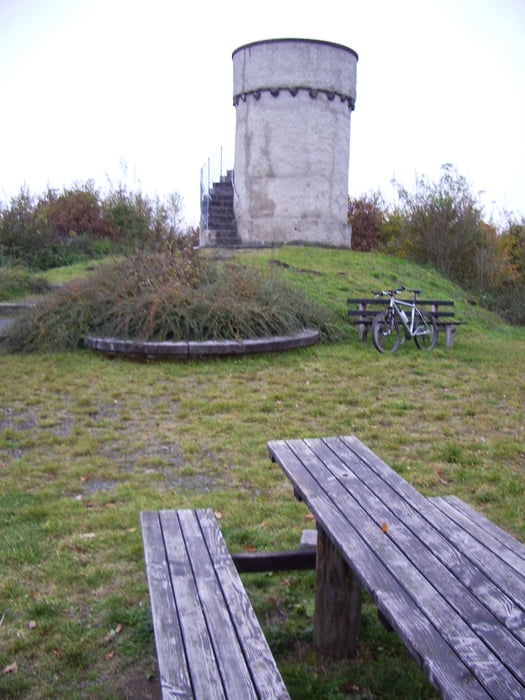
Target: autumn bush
{"type": "Point", "coordinates": [366, 215]}
{"type": "Point", "coordinates": [441, 224]}
{"type": "Point", "coordinates": [61, 228]}
{"type": "Point", "coordinates": [502, 268]}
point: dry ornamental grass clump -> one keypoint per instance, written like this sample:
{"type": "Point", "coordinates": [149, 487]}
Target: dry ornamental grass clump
{"type": "Point", "coordinates": [173, 295]}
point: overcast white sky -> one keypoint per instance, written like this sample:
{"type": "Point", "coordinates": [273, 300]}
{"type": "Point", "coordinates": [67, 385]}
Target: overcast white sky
{"type": "Point", "coordinates": [141, 92]}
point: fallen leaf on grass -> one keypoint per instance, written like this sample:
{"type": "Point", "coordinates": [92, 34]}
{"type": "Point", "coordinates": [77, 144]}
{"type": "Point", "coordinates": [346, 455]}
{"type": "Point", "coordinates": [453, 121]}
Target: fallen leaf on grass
{"type": "Point", "coordinates": [113, 633]}
{"type": "Point", "coordinates": [31, 624]}
{"type": "Point", "coordinates": [109, 656]}
{"type": "Point", "coordinates": [218, 514]}
{"type": "Point", "coordinates": [441, 478]}
{"type": "Point", "coordinates": [250, 548]}
{"type": "Point", "coordinates": [309, 518]}
{"type": "Point", "coordinates": [351, 688]}
{"type": "Point", "coordinates": [12, 668]}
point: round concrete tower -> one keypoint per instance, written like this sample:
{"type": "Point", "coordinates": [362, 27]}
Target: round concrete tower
{"type": "Point", "coordinates": [293, 101]}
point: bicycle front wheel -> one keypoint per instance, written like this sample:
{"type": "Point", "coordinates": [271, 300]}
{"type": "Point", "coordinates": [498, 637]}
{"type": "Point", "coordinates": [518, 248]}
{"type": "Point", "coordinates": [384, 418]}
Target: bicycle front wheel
{"type": "Point", "coordinates": [385, 332]}
{"type": "Point", "coordinates": [425, 333]}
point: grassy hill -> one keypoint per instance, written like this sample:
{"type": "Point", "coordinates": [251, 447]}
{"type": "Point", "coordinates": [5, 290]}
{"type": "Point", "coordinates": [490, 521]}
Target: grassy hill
{"type": "Point", "coordinates": [330, 276]}
{"type": "Point", "coordinates": [86, 443]}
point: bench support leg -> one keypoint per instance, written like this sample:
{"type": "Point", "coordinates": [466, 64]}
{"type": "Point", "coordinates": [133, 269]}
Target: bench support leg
{"type": "Point", "coordinates": [337, 616]}
{"type": "Point", "coordinates": [450, 331]}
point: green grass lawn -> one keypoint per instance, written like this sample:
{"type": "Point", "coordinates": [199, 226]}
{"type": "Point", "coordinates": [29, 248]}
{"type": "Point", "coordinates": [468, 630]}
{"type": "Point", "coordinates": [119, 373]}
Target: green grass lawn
{"type": "Point", "coordinates": [87, 442]}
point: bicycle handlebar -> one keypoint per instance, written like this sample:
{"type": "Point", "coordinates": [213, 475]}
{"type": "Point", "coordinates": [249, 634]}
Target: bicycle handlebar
{"type": "Point", "coordinates": [390, 292]}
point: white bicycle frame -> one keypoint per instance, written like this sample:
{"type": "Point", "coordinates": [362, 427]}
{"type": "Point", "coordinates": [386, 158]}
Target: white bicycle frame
{"type": "Point", "coordinates": [394, 305]}
{"type": "Point", "coordinates": [409, 323]}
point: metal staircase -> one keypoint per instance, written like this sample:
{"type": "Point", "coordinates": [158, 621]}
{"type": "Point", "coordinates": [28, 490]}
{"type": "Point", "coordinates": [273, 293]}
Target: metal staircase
{"type": "Point", "coordinates": [221, 228]}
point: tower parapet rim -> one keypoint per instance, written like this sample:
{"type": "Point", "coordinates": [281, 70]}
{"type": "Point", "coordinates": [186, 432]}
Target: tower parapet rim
{"type": "Point", "coordinates": [298, 40]}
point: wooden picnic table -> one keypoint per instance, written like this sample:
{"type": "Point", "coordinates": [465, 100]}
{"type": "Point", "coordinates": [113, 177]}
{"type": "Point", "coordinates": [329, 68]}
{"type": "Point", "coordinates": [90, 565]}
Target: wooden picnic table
{"type": "Point", "coordinates": [446, 579]}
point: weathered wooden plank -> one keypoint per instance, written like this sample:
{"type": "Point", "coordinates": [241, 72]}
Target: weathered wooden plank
{"type": "Point", "coordinates": [369, 314]}
{"type": "Point", "coordinates": [265, 674]}
{"type": "Point", "coordinates": [199, 648]}
{"type": "Point", "coordinates": [209, 602]}
{"type": "Point", "coordinates": [363, 300]}
{"type": "Point", "coordinates": [256, 562]}
{"type": "Point", "coordinates": [503, 585]}
{"type": "Point", "coordinates": [174, 673]}
{"type": "Point", "coordinates": [482, 523]}
{"type": "Point", "coordinates": [409, 493]}
{"type": "Point", "coordinates": [384, 300]}
{"type": "Point", "coordinates": [442, 666]}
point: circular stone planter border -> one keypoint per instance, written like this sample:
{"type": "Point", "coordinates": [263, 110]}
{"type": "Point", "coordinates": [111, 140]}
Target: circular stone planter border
{"type": "Point", "coordinates": [206, 348]}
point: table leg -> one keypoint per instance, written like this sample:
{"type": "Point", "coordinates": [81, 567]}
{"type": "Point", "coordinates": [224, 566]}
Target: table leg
{"type": "Point", "coordinates": [337, 615]}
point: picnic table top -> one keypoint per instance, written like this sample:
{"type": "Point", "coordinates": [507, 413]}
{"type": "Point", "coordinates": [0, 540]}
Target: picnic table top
{"type": "Point", "coordinates": [455, 595]}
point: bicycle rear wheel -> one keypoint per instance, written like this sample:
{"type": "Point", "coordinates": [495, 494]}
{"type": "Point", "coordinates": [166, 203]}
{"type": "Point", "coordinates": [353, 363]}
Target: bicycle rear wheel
{"type": "Point", "coordinates": [425, 333]}
{"type": "Point", "coordinates": [385, 332]}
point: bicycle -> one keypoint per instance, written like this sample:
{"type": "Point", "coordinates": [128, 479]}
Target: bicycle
{"type": "Point", "coordinates": [420, 325]}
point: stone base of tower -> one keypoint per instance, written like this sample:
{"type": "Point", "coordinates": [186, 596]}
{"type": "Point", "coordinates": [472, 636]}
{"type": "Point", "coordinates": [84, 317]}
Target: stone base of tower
{"type": "Point", "coordinates": [266, 232]}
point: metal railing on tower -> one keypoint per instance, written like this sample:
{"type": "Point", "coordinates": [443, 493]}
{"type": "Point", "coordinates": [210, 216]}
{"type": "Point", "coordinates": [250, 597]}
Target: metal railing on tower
{"type": "Point", "coordinates": [217, 166]}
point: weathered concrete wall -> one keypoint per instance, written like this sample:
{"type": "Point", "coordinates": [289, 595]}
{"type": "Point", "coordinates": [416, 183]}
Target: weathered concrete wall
{"type": "Point", "coordinates": [293, 100]}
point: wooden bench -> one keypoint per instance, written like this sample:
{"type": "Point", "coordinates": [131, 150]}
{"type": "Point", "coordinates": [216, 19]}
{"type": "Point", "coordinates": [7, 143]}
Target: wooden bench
{"type": "Point", "coordinates": [363, 315]}
{"type": "Point", "coordinates": [449, 582]}
{"type": "Point", "coordinates": [209, 642]}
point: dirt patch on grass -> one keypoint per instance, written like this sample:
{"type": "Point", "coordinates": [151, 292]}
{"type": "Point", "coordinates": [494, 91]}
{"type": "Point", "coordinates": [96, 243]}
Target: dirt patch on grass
{"type": "Point", "coordinates": [140, 688]}
{"type": "Point", "coordinates": [286, 266]}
